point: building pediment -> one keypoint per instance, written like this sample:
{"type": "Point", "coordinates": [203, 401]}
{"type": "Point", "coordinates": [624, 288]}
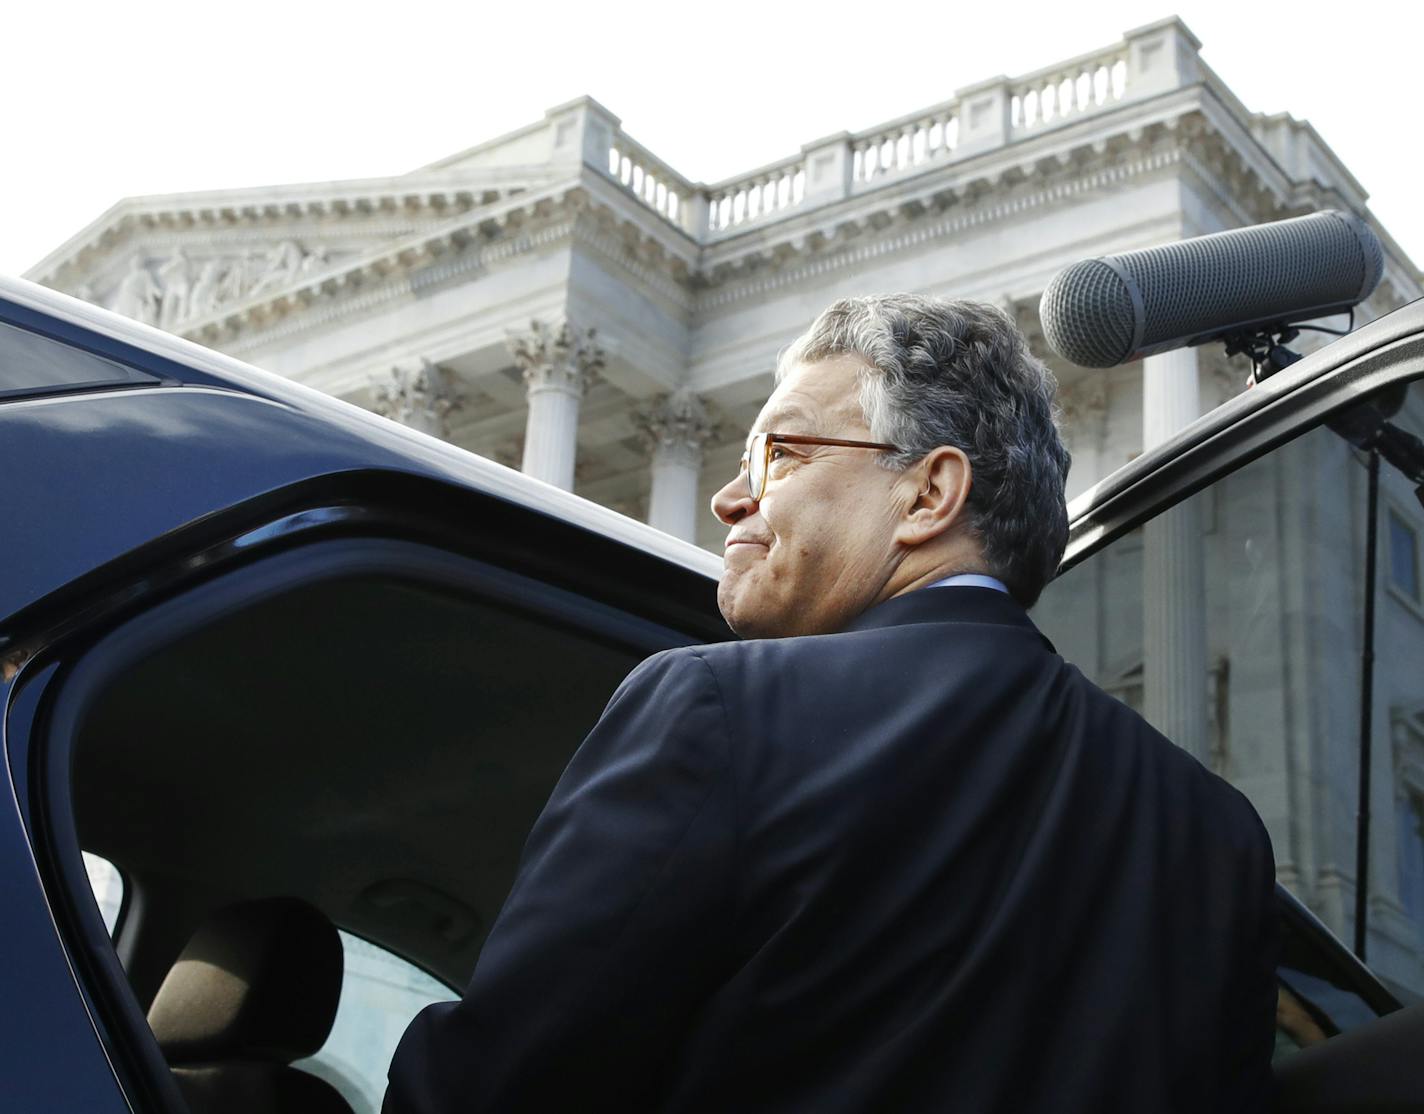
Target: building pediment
{"type": "Point", "coordinates": [175, 258]}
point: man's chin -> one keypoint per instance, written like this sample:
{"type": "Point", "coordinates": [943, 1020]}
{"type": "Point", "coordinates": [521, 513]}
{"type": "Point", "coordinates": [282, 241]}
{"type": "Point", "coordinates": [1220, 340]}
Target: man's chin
{"type": "Point", "coordinates": [741, 613]}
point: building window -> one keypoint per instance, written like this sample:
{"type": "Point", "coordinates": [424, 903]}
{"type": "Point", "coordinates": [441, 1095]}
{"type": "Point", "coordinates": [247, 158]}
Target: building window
{"type": "Point", "coordinates": [1403, 555]}
{"type": "Point", "coordinates": [1411, 857]}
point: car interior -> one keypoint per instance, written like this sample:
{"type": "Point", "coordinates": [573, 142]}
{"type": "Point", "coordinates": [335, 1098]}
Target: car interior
{"type": "Point", "coordinates": [367, 751]}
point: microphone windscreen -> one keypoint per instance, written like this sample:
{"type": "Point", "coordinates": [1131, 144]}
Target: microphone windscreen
{"type": "Point", "coordinates": [1108, 311]}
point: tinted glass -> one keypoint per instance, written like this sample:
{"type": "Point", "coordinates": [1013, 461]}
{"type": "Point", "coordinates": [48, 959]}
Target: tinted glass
{"type": "Point", "coordinates": [1234, 622]}
{"type": "Point", "coordinates": [33, 364]}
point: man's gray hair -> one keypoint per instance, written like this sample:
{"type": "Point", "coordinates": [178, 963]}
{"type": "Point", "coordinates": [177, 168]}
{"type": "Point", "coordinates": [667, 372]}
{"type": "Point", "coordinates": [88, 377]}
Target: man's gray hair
{"type": "Point", "coordinates": [960, 373]}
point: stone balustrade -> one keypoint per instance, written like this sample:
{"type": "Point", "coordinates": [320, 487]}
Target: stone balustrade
{"type": "Point", "coordinates": [1148, 61]}
{"type": "Point", "coordinates": [772, 189]}
{"type": "Point", "coordinates": [1075, 88]}
{"type": "Point", "coordinates": [651, 180]}
{"type": "Point", "coordinates": [905, 143]}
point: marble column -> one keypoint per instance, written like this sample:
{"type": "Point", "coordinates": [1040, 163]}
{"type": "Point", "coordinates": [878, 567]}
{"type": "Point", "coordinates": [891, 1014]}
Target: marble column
{"type": "Point", "coordinates": [676, 427]}
{"type": "Point", "coordinates": [1085, 406]}
{"type": "Point", "coordinates": [557, 363]}
{"type": "Point", "coordinates": [1173, 572]}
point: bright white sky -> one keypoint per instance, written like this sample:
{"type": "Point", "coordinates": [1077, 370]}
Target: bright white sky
{"type": "Point", "coordinates": [109, 100]}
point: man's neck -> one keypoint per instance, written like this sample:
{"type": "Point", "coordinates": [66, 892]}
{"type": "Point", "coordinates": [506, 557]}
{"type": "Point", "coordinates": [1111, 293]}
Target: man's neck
{"type": "Point", "coordinates": [941, 570]}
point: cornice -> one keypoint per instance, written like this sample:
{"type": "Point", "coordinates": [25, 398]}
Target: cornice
{"type": "Point", "coordinates": [274, 208]}
{"type": "Point", "coordinates": [653, 275]}
{"type": "Point", "coordinates": [1239, 203]}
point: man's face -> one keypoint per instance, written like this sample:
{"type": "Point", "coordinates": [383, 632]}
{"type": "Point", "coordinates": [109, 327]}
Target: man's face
{"type": "Point", "coordinates": [818, 549]}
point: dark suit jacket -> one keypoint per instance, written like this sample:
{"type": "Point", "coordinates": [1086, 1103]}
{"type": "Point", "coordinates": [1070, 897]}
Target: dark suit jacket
{"type": "Point", "coordinates": [920, 865]}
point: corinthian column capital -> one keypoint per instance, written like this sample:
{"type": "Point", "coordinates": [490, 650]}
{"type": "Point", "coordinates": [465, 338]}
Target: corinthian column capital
{"type": "Point", "coordinates": [419, 394]}
{"type": "Point", "coordinates": [676, 425]}
{"type": "Point", "coordinates": [562, 358]}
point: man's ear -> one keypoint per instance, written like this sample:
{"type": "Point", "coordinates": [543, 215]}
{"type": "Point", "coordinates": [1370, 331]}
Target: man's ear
{"type": "Point", "coordinates": [944, 476]}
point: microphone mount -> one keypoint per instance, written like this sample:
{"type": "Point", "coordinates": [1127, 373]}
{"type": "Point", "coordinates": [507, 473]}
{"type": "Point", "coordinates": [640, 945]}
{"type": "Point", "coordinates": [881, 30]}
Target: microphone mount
{"type": "Point", "coordinates": [1266, 346]}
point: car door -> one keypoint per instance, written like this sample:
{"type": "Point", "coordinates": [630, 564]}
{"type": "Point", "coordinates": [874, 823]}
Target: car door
{"type": "Point", "coordinates": [370, 723]}
{"type": "Point", "coordinates": [246, 654]}
{"type": "Point", "coordinates": [1216, 584]}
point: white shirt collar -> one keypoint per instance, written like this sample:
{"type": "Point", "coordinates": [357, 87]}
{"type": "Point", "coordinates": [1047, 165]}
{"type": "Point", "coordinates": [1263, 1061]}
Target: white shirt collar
{"type": "Point", "coordinates": [970, 580]}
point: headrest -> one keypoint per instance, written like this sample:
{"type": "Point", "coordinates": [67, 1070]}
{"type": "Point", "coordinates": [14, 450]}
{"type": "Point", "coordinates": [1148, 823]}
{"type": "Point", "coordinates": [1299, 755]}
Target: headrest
{"type": "Point", "coordinates": [258, 981]}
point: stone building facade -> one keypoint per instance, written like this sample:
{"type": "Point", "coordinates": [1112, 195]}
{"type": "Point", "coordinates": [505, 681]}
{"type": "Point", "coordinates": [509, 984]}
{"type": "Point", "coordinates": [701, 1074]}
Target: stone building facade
{"type": "Point", "coordinates": [561, 300]}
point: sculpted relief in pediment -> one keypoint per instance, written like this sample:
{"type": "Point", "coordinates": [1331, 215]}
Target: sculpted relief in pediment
{"type": "Point", "coordinates": [168, 292]}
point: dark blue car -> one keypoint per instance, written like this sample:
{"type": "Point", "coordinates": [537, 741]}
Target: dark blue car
{"type": "Point", "coordinates": [285, 685]}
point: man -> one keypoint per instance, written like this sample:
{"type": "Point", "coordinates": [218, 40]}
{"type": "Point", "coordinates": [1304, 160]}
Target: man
{"type": "Point", "coordinates": [889, 853]}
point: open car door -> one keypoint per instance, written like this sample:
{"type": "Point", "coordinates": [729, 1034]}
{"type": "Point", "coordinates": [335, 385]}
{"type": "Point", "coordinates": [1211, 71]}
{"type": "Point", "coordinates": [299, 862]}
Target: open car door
{"type": "Point", "coordinates": [1217, 584]}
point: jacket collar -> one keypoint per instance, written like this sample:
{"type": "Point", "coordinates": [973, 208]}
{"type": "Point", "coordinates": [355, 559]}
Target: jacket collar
{"type": "Point", "coordinates": [948, 605]}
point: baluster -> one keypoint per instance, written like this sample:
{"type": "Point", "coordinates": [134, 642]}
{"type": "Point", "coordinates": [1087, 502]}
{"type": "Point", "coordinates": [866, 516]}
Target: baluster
{"type": "Point", "coordinates": [1119, 79]}
{"type": "Point", "coordinates": [1100, 84]}
{"type": "Point", "coordinates": [613, 161]}
{"type": "Point", "coordinates": [1084, 97]}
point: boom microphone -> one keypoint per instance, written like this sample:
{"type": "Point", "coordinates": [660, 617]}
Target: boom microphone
{"type": "Point", "coordinates": [1108, 311]}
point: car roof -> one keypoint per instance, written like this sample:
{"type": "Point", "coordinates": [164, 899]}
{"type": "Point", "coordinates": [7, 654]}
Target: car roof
{"type": "Point", "coordinates": [340, 436]}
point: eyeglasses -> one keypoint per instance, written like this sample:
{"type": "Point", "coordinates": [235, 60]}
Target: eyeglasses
{"type": "Point", "coordinates": [756, 461]}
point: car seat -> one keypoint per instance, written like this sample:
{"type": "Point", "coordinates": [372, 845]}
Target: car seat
{"type": "Point", "coordinates": [255, 988]}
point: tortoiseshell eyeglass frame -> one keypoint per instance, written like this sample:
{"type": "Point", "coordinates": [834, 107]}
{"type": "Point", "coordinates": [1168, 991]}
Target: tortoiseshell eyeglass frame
{"type": "Point", "coordinates": [759, 450]}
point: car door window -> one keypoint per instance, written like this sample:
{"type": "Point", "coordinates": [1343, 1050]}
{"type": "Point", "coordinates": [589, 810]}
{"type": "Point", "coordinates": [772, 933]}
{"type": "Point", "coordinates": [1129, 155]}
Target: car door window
{"type": "Point", "coordinates": [108, 886]}
{"type": "Point", "coordinates": [380, 994]}
{"type": "Point", "coordinates": [1233, 621]}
